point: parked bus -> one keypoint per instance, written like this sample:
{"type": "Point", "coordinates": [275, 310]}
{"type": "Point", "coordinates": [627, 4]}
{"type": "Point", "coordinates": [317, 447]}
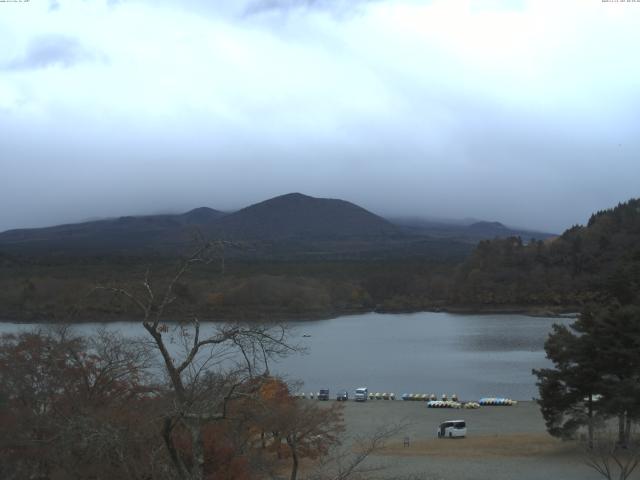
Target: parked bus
{"type": "Point", "coordinates": [452, 429]}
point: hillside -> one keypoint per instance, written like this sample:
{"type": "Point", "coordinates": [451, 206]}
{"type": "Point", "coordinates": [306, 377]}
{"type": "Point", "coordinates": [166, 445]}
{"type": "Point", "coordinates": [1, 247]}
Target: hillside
{"type": "Point", "coordinates": [120, 235]}
{"type": "Point", "coordinates": [294, 278]}
{"type": "Point", "coordinates": [300, 216]}
{"type": "Point", "coordinates": [287, 226]}
{"type": "Point", "coordinates": [292, 223]}
{"type": "Point", "coordinates": [471, 232]}
{"type": "Point", "coordinates": [601, 258]}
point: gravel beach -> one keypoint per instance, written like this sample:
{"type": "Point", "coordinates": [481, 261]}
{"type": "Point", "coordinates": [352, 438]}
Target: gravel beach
{"type": "Point", "coordinates": [503, 443]}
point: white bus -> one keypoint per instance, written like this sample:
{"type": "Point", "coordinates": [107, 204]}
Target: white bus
{"type": "Point", "coordinates": [452, 429]}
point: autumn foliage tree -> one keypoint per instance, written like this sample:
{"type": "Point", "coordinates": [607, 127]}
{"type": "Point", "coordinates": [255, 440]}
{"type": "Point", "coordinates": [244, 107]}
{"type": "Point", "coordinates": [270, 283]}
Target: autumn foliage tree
{"type": "Point", "coordinates": [186, 401]}
{"type": "Point", "coordinates": [75, 408]}
{"type": "Point", "coordinates": [210, 372]}
{"type": "Point", "coordinates": [297, 429]}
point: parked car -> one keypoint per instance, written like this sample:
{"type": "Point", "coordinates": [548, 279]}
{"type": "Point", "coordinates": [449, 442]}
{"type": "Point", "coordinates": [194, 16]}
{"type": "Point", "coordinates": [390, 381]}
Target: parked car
{"type": "Point", "coordinates": [362, 394]}
{"type": "Point", "coordinates": [452, 429]}
{"type": "Point", "coordinates": [323, 394]}
{"type": "Point", "coordinates": [343, 396]}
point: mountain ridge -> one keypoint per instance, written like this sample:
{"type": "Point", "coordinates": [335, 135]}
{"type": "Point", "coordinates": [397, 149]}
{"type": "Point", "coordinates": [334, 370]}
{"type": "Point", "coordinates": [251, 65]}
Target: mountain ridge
{"type": "Point", "coordinates": [292, 217]}
{"type": "Point", "coordinates": [295, 215]}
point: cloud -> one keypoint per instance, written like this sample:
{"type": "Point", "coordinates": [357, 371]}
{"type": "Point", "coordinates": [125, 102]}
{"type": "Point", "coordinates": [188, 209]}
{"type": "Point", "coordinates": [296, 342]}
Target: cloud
{"type": "Point", "coordinates": [340, 7]}
{"type": "Point", "coordinates": [51, 50]}
{"type": "Point", "coordinates": [512, 110]}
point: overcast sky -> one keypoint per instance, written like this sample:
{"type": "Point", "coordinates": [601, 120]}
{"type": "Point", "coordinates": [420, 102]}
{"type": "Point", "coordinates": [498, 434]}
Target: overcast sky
{"type": "Point", "coordinates": [525, 112]}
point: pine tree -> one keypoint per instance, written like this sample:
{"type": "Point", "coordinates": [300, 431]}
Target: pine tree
{"type": "Point", "coordinates": [569, 392]}
{"type": "Point", "coordinates": [617, 330]}
{"type": "Point", "coordinates": [596, 372]}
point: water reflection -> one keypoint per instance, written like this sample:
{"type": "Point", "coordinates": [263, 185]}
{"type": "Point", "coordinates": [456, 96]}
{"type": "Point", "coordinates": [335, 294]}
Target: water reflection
{"type": "Point", "coordinates": [471, 355]}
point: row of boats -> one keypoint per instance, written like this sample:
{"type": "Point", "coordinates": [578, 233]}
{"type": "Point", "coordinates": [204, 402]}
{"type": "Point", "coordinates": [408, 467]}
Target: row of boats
{"type": "Point", "coordinates": [452, 404]}
{"type": "Point", "coordinates": [499, 401]}
{"type": "Point", "coordinates": [483, 402]}
{"type": "Point", "coordinates": [427, 397]}
{"type": "Point", "coordinates": [431, 399]}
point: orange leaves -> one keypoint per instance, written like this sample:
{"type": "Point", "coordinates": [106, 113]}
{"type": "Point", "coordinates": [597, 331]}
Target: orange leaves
{"type": "Point", "coordinates": [215, 299]}
{"type": "Point", "coordinates": [275, 390]}
{"type": "Point", "coordinates": [223, 460]}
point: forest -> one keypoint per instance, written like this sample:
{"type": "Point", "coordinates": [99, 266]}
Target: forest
{"type": "Point", "coordinates": [560, 274]}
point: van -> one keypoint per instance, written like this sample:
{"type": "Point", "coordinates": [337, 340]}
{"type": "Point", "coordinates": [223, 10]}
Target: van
{"type": "Point", "coordinates": [323, 394]}
{"type": "Point", "coordinates": [362, 394]}
{"type": "Point", "coordinates": [452, 429]}
{"type": "Point", "coordinates": [342, 396]}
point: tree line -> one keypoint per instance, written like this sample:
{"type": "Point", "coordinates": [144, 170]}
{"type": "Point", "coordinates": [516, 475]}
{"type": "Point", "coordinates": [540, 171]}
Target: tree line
{"type": "Point", "coordinates": [594, 384]}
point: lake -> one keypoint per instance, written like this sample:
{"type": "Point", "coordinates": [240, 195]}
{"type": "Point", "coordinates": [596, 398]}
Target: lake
{"type": "Point", "coordinates": [470, 355]}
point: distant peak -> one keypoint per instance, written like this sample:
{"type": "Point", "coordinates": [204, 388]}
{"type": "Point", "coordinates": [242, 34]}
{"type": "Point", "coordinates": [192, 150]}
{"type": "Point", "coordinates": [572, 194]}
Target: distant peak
{"type": "Point", "coordinates": [201, 215]}
{"type": "Point", "coordinates": [302, 216]}
{"type": "Point", "coordinates": [488, 225]}
{"type": "Point", "coordinates": [200, 210]}
{"type": "Point", "coordinates": [292, 196]}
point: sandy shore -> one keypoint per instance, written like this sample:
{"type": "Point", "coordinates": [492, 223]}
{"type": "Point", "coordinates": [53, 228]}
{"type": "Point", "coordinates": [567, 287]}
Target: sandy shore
{"type": "Point", "coordinates": [503, 443]}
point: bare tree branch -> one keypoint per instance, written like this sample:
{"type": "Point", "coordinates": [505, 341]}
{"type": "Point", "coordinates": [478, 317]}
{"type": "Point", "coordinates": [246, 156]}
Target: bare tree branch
{"type": "Point", "coordinates": [203, 394]}
{"type": "Point", "coordinates": [612, 460]}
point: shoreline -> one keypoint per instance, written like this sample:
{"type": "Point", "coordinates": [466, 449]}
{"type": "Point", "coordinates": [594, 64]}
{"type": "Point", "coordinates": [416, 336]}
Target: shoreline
{"type": "Point", "coordinates": [541, 312]}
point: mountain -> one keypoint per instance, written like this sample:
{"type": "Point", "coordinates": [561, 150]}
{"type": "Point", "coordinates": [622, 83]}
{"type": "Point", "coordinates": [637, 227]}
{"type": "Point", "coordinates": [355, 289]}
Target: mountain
{"type": "Point", "coordinates": [304, 266]}
{"type": "Point", "coordinates": [494, 226]}
{"type": "Point", "coordinates": [285, 218]}
{"type": "Point", "coordinates": [200, 216]}
{"type": "Point", "coordinates": [302, 217]}
{"type": "Point", "coordinates": [286, 226]}
{"type": "Point", "coordinates": [462, 230]}
{"type": "Point", "coordinates": [124, 234]}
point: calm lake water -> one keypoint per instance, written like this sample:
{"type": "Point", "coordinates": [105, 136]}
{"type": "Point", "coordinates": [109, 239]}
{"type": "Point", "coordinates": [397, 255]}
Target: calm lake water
{"type": "Point", "coordinates": [471, 355]}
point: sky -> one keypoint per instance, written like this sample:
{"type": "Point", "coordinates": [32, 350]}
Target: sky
{"type": "Point", "coordinates": [524, 112]}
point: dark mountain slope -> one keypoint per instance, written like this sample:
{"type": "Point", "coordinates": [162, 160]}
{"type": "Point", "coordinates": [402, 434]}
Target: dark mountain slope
{"type": "Point", "coordinates": [201, 216]}
{"type": "Point", "coordinates": [299, 216]}
{"type": "Point", "coordinates": [288, 226]}
{"type": "Point", "coordinates": [585, 262]}
{"type": "Point", "coordinates": [284, 219]}
{"type": "Point", "coordinates": [124, 234]}
{"type": "Point", "coordinates": [469, 232]}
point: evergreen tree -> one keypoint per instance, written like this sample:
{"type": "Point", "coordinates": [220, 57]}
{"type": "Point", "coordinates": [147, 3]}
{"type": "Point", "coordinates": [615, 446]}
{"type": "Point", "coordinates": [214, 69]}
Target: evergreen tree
{"type": "Point", "coordinates": [596, 372]}
{"type": "Point", "coordinates": [569, 392]}
{"type": "Point", "coordinates": [617, 330]}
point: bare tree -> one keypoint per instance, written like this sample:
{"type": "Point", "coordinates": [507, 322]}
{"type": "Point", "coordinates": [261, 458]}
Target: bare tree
{"type": "Point", "coordinates": [209, 370]}
{"type": "Point", "coordinates": [611, 459]}
{"type": "Point", "coordinates": [309, 430]}
{"type": "Point", "coordinates": [350, 460]}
